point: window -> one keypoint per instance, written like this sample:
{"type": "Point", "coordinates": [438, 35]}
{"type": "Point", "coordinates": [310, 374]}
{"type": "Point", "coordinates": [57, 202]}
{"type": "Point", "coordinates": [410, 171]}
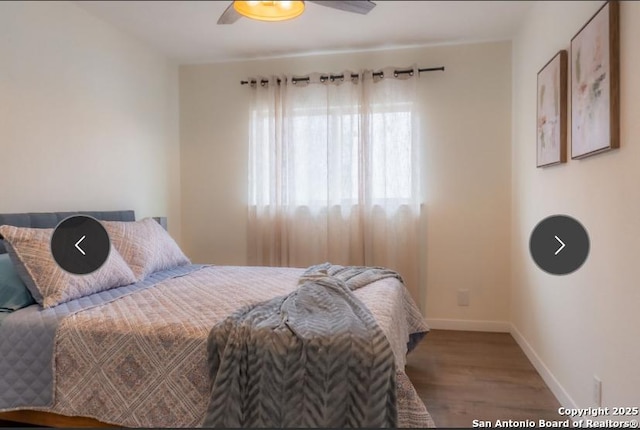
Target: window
{"type": "Point", "coordinates": [334, 174]}
{"type": "Point", "coordinates": [334, 155]}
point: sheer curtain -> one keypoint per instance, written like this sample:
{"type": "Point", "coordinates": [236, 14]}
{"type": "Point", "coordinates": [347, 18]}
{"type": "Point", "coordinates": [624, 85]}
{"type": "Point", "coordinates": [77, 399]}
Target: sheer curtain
{"type": "Point", "coordinates": [334, 172]}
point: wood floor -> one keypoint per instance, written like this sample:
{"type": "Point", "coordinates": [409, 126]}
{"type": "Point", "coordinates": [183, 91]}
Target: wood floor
{"type": "Point", "coordinates": [464, 376]}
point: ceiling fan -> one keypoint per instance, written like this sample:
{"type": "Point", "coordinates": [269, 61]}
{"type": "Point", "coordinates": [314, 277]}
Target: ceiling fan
{"type": "Point", "coordinates": [281, 10]}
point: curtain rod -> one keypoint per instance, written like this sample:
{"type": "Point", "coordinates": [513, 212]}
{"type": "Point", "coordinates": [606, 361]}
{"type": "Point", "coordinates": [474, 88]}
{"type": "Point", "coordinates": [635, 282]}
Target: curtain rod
{"type": "Point", "coordinates": [332, 77]}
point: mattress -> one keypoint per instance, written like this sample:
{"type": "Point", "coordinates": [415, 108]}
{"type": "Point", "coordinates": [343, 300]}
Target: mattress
{"type": "Point", "coordinates": [139, 358]}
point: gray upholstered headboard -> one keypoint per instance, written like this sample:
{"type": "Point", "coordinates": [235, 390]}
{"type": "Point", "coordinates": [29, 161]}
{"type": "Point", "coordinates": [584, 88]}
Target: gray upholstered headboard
{"type": "Point", "coordinates": [51, 219]}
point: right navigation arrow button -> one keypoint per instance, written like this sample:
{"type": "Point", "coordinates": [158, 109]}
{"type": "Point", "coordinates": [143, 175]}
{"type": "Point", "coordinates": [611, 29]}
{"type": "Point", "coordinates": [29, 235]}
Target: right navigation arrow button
{"type": "Point", "coordinates": [548, 244]}
{"type": "Point", "coordinates": [561, 247]}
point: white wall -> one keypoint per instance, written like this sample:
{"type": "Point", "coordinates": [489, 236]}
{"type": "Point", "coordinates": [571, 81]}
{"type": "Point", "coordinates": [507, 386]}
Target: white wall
{"type": "Point", "coordinates": [88, 116]}
{"type": "Point", "coordinates": [467, 175]}
{"type": "Point", "coordinates": [587, 322]}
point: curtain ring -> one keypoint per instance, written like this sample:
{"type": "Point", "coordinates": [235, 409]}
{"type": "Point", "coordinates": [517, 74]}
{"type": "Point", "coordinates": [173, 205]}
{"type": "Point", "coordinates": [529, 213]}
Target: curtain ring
{"type": "Point", "coordinates": [342, 78]}
{"type": "Point", "coordinates": [262, 83]}
{"type": "Point", "coordinates": [395, 74]}
{"type": "Point", "coordinates": [294, 81]}
{"type": "Point", "coordinates": [381, 75]}
{"type": "Point", "coordinates": [332, 79]}
{"type": "Point", "coordinates": [411, 73]}
{"type": "Point", "coordinates": [323, 79]}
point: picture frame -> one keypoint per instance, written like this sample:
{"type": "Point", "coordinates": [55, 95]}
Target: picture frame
{"type": "Point", "coordinates": [551, 124]}
{"type": "Point", "coordinates": [595, 84]}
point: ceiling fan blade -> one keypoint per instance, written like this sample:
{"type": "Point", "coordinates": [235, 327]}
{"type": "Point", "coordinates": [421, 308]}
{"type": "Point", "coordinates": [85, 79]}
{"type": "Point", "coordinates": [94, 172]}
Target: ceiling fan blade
{"type": "Point", "coordinates": [362, 7]}
{"type": "Point", "coordinates": [229, 16]}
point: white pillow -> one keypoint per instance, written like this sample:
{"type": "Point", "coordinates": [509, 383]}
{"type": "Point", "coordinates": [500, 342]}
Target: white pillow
{"type": "Point", "coordinates": [145, 246]}
{"type": "Point", "coordinates": [30, 252]}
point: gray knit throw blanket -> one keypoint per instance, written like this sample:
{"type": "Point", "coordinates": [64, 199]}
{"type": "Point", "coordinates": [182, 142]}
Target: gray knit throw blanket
{"type": "Point", "coordinates": [313, 358]}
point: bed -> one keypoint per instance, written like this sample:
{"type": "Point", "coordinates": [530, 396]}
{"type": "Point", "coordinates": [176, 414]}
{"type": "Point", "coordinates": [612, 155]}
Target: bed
{"type": "Point", "coordinates": [136, 355]}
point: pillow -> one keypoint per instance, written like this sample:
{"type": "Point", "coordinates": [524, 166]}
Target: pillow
{"type": "Point", "coordinates": [145, 246]}
{"type": "Point", "coordinates": [14, 294]}
{"type": "Point", "coordinates": [30, 252]}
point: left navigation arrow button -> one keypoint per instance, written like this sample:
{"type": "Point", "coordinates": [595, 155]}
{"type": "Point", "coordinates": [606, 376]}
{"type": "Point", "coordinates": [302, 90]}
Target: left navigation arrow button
{"type": "Point", "coordinates": [84, 253]}
{"type": "Point", "coordinates": [80, 244]}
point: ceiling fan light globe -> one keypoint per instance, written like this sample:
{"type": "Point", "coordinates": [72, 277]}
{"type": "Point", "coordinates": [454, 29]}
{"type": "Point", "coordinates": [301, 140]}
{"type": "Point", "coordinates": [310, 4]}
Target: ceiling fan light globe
{"type": "Point", "coordinates": [269, 10]}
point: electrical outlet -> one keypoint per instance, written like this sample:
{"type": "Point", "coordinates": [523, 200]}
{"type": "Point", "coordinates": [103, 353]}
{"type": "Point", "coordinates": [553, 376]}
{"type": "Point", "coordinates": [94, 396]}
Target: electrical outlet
{"type": "Point", "coordinates": [597, 391]}
{"type": "Point", "coordinates": [463, 297]}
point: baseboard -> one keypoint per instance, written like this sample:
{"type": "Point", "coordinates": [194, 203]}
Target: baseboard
{"type": "Point", "coordinates": [469, 325]}
{"type": "Point", "coordinates": [551, 381]}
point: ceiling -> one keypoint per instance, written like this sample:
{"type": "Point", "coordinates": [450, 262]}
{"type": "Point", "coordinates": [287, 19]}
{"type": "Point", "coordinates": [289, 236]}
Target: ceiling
{"type": "Point", "coordinates": [186, 31]}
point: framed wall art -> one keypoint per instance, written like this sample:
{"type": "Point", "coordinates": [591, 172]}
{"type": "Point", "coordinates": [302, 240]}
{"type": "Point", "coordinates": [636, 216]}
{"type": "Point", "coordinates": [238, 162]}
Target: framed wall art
{"type": "Point", "coordinates": [551, 133]}
{"type": "Point", "coordinates": [595, 84]}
